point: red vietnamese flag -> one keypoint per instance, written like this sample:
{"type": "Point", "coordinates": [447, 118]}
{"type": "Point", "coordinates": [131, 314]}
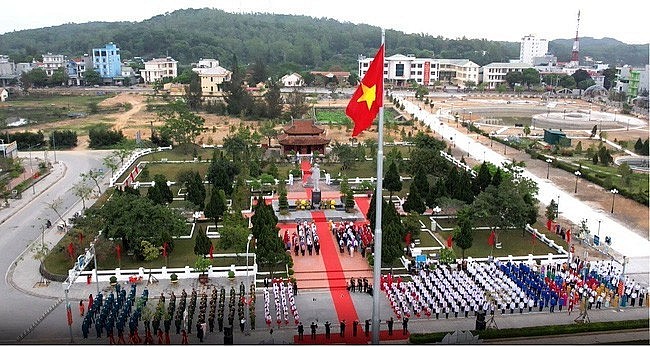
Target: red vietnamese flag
{"type": "Point", "coordinates": [368, 98]}
{"type": "Point", "coordinates": [568, 236]}
{"type": "Point", "coordinates": [450, 241]}
{"type": "Point", "coordinates": [211, 251]}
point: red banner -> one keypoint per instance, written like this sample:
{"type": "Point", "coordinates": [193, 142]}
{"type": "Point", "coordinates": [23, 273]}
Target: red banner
{"type": "Point", "coordinates": [427, 72]}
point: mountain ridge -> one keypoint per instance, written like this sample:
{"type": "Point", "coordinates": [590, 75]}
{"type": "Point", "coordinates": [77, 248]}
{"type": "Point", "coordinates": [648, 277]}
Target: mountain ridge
{"type": "Point", "coordinates": [284, 42]}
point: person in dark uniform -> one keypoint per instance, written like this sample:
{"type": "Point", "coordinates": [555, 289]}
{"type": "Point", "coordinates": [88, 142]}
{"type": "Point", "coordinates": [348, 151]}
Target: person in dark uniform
{"type": "Point", "coordinates": [390, 326]}
{"type": "Point", "coordinates": [342, 325]}
{"type": "Point", "coordinates": [365, 285]}
{"type": "Point", "coordinates": [352, 284]}
{"type": "Point", "coordinates": [367, 327]}
{"type": "Point", "coordinates": [328, 326]}
{"type": "Point", "coordinates": [313, 327]}
{"type": "Point", "coordinates": [301, 331]}
{"type": "Point", "coordinates": [355, 325]}
{"type": "Point", "coordinates": [211, 322]}
{"type": "Point", "coordinates": [359, 284]}
{"type": "Point", "coordinates": [199, 332]}
{"type": "Point", "coordinates": [405, 325]}
{"type": "Point", "coordinates": [177, 322]}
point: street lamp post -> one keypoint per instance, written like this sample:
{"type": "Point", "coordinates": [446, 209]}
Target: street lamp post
{"type": "Point", "coordinates": [548, 166]}
{"type": "Point", "coordinates": [248, 243]}
{"type": "Point", "coordinates": [505, 146]}
{"type": "Point", "coordinates": [557, 209]}
{"type": "Point", "coordinates": [614, 192]}
{"type": "Point", "coordinates": [599, 227]}
{"type": "Point", "coordinates": [578, 174]}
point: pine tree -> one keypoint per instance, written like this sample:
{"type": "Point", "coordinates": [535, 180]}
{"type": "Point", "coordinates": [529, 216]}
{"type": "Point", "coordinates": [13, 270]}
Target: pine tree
{"type": "Point", "coordinates": [497, 178]}
{"type": "Point", "coordinates": [414, 201]}
{"type": "Point", "coordinates": [195, 190]}
{"type": "Point", "coordinates": [392, 180]}
{"type": "Point", "coordinates": [202, 243]}
{"type": "Point", "coordinates": [421, 183]}
{"type": "Point", "coordinates": [463, 236]}
{"type": "Point", "coordinates": [216, 206]}
{"type": "Point", "coordinates": [160, 193]}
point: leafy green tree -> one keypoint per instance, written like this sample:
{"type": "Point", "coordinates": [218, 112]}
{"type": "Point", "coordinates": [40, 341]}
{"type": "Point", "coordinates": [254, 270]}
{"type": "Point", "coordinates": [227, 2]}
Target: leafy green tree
{"type": "Point", "coordinates": [638, 146]}
{"type": "Point", "coordinates": [413, 201]}
{"type": "Point", "coordinates": [463, 236]}
{"type": "Point", "coordinates": [578, 149]}
{"type": "Point", "coordinates": [58, 78]}
{"type": "Point", "coordinates": [503, 207]}
{"type": "Point", "coordinates": [411, 224]}
{"type": "Point", "coordinates": [216, 206]}
{"type": "Point", "coordinates": [234, 234]}
{"type": "Point", "coordinates": [259, 73]}
{"type": "Point", "coordinates": [94, 176]}
{"type": "Point", "coordinates": [580, 75]}
{"type": "Point", "coordinates": [392, 180]}
{"type": "Point", "coordinates": [102, 137]}
{"type": "Point", "coordinates": [567, 81]}
{"type": "Point", "coordinates": [268, 130]}
{"type": "Point", "coordinates": [604, 157]}
{"type": "Point", "coordinates": [436, 192]}
{"type": "Point", "coordinates": [393, 233]}
{"type": "Point", "coordinates": [526, 130]}
{"type": "Point", "coordinates": [514, 77]}
{"type": "Point", "coordinates": [221, 174]}
{"type": "Point", "coordinates": [194, 92]}
{"type": "Point", "coordinates": [626, 173]}
{"type": "Point", "coordinates": [134, 219]}
{"type": "Point", "coordinates": [298, 106]}
{"type": "Point", "coordinates": [345, 155]}
{"type": "Point", "coordinates": [202, 243]}
{"type": "Point", "coordinates": [92, 77]}
{"type": "Point", "coordinates": [180, 124]}
{"type": "Point", "coordinates": [63, 139]}
{"type": "Point", "coordinates": [349, 201]}
{"type": "Point", "coordinates": [37, 77]}
{"type": "Point", "coordinates": [530, 77]}
{"type": "Point", "coordinates": [551, 210]}
{"type": "Point", "coordinates": [83, 191]}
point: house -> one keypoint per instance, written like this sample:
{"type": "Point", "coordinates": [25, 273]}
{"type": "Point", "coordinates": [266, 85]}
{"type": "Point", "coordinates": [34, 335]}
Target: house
{"type": "Point", "coordinates": [303, 136]}
{"type": "Point", "coordinates": [159, 68]}
{"type": "Point", "coordinates": [52, 62]}
{"type": "Point", "coordinates": [212, 76]}
{"type": "Point", "coordinates": [338, 77]}
{"type": "Point", "coordinates": [4, 94]}
{"type": "Point", "coordinates": [292, 80]}
{"type": "Point", "coordinates": [494, 74]}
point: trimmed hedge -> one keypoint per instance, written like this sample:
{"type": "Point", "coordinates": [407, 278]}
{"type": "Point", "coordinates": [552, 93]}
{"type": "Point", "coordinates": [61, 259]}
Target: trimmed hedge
{"type": "Point", "coordinates": [538, 331]}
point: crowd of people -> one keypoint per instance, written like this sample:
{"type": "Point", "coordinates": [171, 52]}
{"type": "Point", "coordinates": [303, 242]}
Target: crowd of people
{"type": "Point", "coordinates": [512, 287]}
{"type": "Point", "coordinates": [305, 239]}
{"type": "Point", "coordinates": [352, 238]}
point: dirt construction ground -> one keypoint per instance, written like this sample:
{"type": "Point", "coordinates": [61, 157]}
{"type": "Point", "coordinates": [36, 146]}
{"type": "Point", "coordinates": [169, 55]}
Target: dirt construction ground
{"type": "Point", "coordinates": [630, 213]}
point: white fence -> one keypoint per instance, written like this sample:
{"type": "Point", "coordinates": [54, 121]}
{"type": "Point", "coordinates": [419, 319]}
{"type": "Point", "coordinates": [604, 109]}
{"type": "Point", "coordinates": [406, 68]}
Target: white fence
{"type": "Point", "coordinates": [163, 273]}
{"type": "Point", "coordinates": [132, 159]}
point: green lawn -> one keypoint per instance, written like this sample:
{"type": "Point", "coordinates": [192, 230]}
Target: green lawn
{"type": "Point", "coordinates": [337, 116]}
{"type": "Point", "coordinates": [638, 183]}
{"type": "Point", "coordinates": [58, 261]}
{"type": "Point", "coordinates": [171, 170]}
{"type": "Point", "coordinates": [180, 154]}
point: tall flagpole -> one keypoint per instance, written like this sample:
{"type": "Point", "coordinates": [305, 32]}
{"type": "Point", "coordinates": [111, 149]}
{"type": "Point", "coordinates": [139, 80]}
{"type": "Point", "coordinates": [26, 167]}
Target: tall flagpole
{"type": "Point", "coordinates": [376, 289]}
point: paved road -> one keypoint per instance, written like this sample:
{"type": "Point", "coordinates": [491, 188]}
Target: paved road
{"type": "Point", "coordinates": [21, 224]}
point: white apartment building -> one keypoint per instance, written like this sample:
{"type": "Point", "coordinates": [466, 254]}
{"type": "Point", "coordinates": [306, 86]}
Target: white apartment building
{"type": "Point", "coordinates": [52, 62]}
{"type": "Point", "coordinates": [494, 74]}
{"type": "Point", "coordinates": [532, 47]}
{"type": "Point", "coordinates": [212, 77]}
{"type": "Point", "coordinates": [159, 68]}
{"type": "Point", "coordinates": [399, 69]}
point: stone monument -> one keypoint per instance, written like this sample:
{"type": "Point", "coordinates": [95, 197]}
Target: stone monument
{"type": "Point", "coordinates": [315, 178]}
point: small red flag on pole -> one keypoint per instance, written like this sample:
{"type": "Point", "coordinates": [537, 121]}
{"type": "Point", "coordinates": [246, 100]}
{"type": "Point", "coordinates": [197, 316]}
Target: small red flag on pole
{"type": "Point", "coordinates": [211, 251]}
{"type": "Point", "coordinates": [165, 249]}
{"type": "Point", "coordinates": [118, 251]}
{"type": "Point", "coordinates": [492, 239]}
{"type": "Point", "coordinates": [71, 250]}
{"type": "Point", "coordinates": [568, 236]}
{"type": "Point", "coordinates": [368, 98]}
{"type": "Point", "coordinates": [450, 241]}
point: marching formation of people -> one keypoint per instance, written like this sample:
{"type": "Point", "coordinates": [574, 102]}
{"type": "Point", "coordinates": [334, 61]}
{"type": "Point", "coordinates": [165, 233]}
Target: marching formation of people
{"type": "Point", "coordinates": [284, 302]}
{"type": "Point", "coordinates": [352, 238]}
{"type": "Point", "coordinates": [509, 287]}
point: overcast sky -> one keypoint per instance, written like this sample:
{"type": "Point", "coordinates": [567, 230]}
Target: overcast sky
{"type": "Point", "coordinates": [503, 20]}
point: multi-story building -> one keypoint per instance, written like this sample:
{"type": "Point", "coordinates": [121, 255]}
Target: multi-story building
{"type": "Point", "coordinates": [7, 70]}
{"type": "Point", "coordinates": [494, 74]}
{"type": "Point", "coordinates": [52, 62]}
{"type": "Point", "coordinates": [159, 68]}
{"type": "Point", "coordinates": [400, 69]}
{"type": "Point", "coordinates": [76, 69]}
{"type": "Point", "coordinates": [532, 47]}
{"type": "Point", "coordinates": [631, 81]}
{"type": "Point", "coordinates": [212, 77]}
{"type": "Point", "coordinates": [107, 62]}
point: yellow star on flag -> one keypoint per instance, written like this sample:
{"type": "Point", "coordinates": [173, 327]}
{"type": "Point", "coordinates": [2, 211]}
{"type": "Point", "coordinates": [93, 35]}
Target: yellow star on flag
{"type": "Point", "coordinates": [368, 95]}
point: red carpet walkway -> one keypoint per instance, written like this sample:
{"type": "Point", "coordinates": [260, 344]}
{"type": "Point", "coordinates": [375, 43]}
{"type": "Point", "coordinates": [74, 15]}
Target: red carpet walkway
{"type": "Point", "coordinates": [338, 286]}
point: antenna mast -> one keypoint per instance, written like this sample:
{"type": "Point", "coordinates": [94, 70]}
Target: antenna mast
{"type": "Point", "coordinates": [575, 53]}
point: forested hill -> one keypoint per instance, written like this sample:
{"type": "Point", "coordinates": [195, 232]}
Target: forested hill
{"type": "Point", "coordinates": [283, 42]}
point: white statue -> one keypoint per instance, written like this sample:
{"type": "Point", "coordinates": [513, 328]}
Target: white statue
{"type": "Point", "coordinates": [328, 178]}
{"type": "Point", "coordinates": [315, 176]}
{"type": "Point", "coordinates": [290, 179]}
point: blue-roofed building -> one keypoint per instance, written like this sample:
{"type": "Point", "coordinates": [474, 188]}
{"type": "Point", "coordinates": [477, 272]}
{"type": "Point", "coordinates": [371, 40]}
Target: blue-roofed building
{"type": "Point", "coordinates": [107, 62]}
